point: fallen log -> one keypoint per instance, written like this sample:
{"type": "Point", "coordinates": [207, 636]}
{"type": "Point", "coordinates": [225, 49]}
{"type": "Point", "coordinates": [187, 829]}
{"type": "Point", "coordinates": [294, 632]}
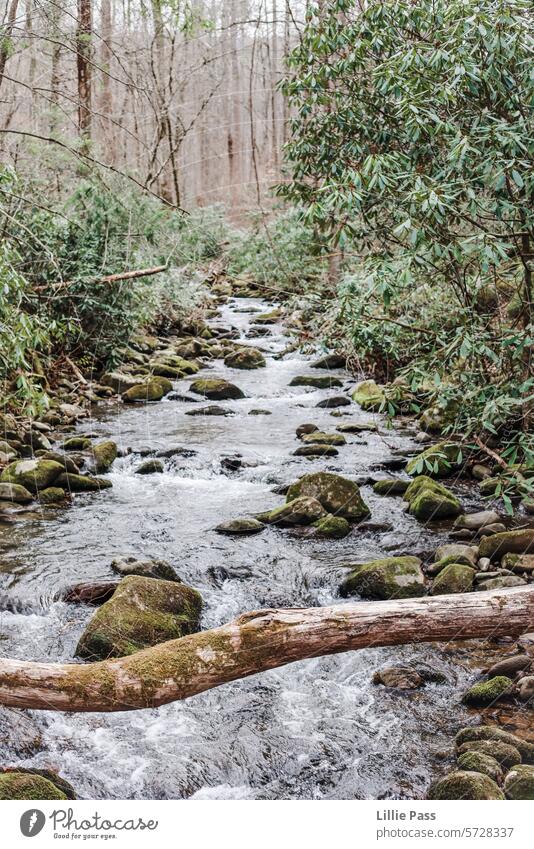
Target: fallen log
{"type": "Point", "coordinates": [112, 278]}
{"type": "Point", "coordinates": [258, 641]}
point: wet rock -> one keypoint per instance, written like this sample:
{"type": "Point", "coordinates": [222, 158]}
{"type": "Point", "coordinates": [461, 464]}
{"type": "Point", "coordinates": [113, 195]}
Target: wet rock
{"type": "Point", "coordinates": [375, 527]}
{"type": "Point", "coordinates": [480, 762]}
{"type": "Point", "coordinates": [500, 583]}
{"type": "Point", "coordinates": [480, 472]}
{"type": "Point", "coordinates": [505, 754]}
{"type": "Point", "coordinates": [259, 413]}
{"type": "Point", "coordinates": [76, 443]}
{"type": "Point", "coordinates": [454, 578]}
{"type": "Point", "coordinates": [179, 396]}
{"type": "Point", "coordinates": [28, 786]}
{"type": "Point", "coordinates": [487, 692]}
{"type": "Point", "coordinates": [320, 438]}
{"type": "Point", "coordinates": [494, 733]}
{"type": "Point", "coordinates": [82, 483]}
{"type": "Point", "coordinates": [316, 382]}
{"type": "Point", "coordinates": [19, 733]}
{"type": "Point", "coordinates": [301, 510]}
{"type": "Point", "coordinates": [241, 526]}
{"type": "Point", "coordinates": [391, 486]}
{"type": "Point", "coordinates": [163, 382]}
{"type": "Point", "coordinates": [518, 562]}
{"type": "Point", "coordinates": [141, 393]}
{"type": "Point", "coordinates": [102, 456]}
{"type": "Point", "coordinates": [430, 501]}
{"type": "Point", "coordinates": [525, 688]}
{"type": "Point", "coordinates": [216, 390]}
{"type": "Point", "coordinates": [142, 612]}
{"type": "Point", "coordinates": [489, 486]}
{"type": "Point", "coordinates": [400, 677]}
{"type": "Point", "coordinates": [210, 410]}
{"type": "Point", "coordinates": [392, 577]}
{"type": "Point", "coordinates": [332, 403]}
{"type": "Point", "coordinates": [151, 568]}
{"type": "Point", "coordinates": [175, 451]}
{"type": "Point", "coordinates": [510, 542]}
{"type": "Point", "coordinates": [528, 505]}
{"type": "Point", "coordinates": [245, 358]}
{"type": "Point", "coordinates": [33, 475]}
{"type": "Point", "coordinates": [458, 553]}
{"type": "Point", "coordinates": [316, 450]}
{"type": "Point", "coordinates": [465, 786]}
{"type": "Point", "coordinates": [119, 382]}
{"type": "Point", "coordinates": [519, 783]}
{"type": "Point", "coordinates": [489, 530]}
{"type": "Point", "coordinates": [73, 411]}
{"type": "Point", "coordinates": [332, 527]}
{"type": "Point", "coordinates": [509, 666]}
{"type": "Point", "coordinates": [52, 495]}
{"type": "Point", "coordinates": [269, 317]}
{"type": "Point", "coordinates": [65, 461]}
{"type": "Point", "coordinates": [357, 427]}
{"type": "Point", "coordinates": [150, 467]}
{"type": "Point", "coordinates": [92, 592]}
{"type": "Point", "coordinates": [330, 361]}
{"type": "Point", "coordinates": [338, 495]}
{"type": "Point", "coordinates": [304, 429]}
{"type": "Point", "coordinates": [475, 521]}
{"type": "Point", "coordinates": [369, 395]}
{"type": "Point", "coordinates": [438, 461]}
{"type": "Point", "coordinates": [14, 492]}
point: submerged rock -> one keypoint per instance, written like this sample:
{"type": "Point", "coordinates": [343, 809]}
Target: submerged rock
{"type": "Point", "coordinates": [240, 526]}
{"type": "Point", "coordinates": [465, 786]}
{"type": "Point", "coordinates": [216, 390]}
{"type": "Point", "coordinates": [211, 410]}
{"type": "Point", "coordinates": [487, 692]}
{"type": "Point", "coordinates": [332, 527]}
{"type": "Point", "coordinates": [150, 568]}
{"type": "Point", "coordinates": [245, 358]}
{"type": "Point", "coordinates": [391, 577]}
{"type": "Point", "coordinates": [33, 475]}
{"type": "Point", "coordinates": [302, 510]}
{"type": "Point", "coordinates": [316, 382]}
{"type": "Point", "coordinates": [338, 495]}
{"type": "Point", "coordinates": [142, 612]}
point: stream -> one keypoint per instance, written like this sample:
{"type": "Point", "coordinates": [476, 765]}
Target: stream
{"type": "Point", "coordinates": [312, 730]}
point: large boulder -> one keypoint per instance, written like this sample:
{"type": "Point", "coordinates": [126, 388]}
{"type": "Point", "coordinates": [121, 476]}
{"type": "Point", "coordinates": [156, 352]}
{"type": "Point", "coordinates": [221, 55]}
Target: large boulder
{"type": "Point", "coordinates": [14, 492]}
{"type": "Point", "coordinates": [392, 577]}
{"type": "Point", "coordinates": [303, 510]}
{"type": "Point", "coordinates": [438, 461]}
{"type": "Point", "coordinates": [338, 495]}
{"type": "Point", "coordinates": [28, 786]}
{"type": "Point", "coordinates": [151, 390]}
{"type": "Point", "coordinates": [466, 786]}
{"type": "Point", "coordinates": [519, 783]}
{"type": "Point", "coordinates": [430, 500]}
{"type": "Point", "coordinates": [102, 457]}
{"type": "Point", "coordinates": [32, 474]}
{"type": "Point", "coordinates": [510, 542]}
{"type": "Point", "coordinates": [369, 395]}
{"type": "Point", "coordinates": [142, 612]}
{"type": "Point", "coordinates": [245, 358]}
{"type": "Point", "coordinates": [216, 390]}
{"type": "Point", "coordinates": [454, 578]}
{"type": "Point", "coordinates": [480, 762]}
{"type": "Point", "coordinates": [487, 692]}
{"type": "Point", "coordinates": [82, 483]}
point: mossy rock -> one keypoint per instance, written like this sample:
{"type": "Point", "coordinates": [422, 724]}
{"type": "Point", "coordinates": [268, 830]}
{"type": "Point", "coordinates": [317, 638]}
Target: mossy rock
{"type": "Point", "coordinates": [269, 317]}
{"type": "Point", "coordinates": [332, 527]}
{"type": "Point", "coordinates": [82, 483]}
{"type": "Point", "coordinates": [150, 467]}
{"type": "Point", "coordinates": [76, 443]}
{"type": "Point", "coordinates": [493, 732]}
{"type": "Point", "coordinates": [518, 562]}
{"type": "Point", "coordinates": [119, 382]}
{"type": "Point", "coordinates": [424, 482]}
{"type": "Point", "coordinates": [487, 692]}
{"type": "Point", "coordinates": [480, 762]}
{"type": "Point", "coordinates": [438, 461]}
{"type": "Point", "coordinates": [505, 755]}
{"type": "Point", "coordinates": [465, 786]}
{"type": "Point", "coordinates": [369, 395]}
{"type": "Point", "coordinates": [456, 552]}
{"type": "Point", "coordinates": [320, 438]}
{"type": "Point", "coordinates": [67, 463]}
{"type": "Point", "coordinates": [52, 495]}
{"type": "Point", "coordinates": [338, 495]}
{"type": "Point", "coordinates": [245, 358]}
{"type": "Point", "coordinates": [454, 578]}
{"type": "Point", "coordinates": [316, 450]}
{"type": "Point", "coordinates": [28, 786]}
{"type": "Point", "coordinates": [392, 577]}
{"type": "Point", "coordinates": [145, 568]}
{"type": "Point", "coordinates": [303, 510]}
{"type": "Point", "coordinates": [501, 582]}
{"type": "Point", "coordinates": [152, 390]}
{"type": "Point", "coordinates": [165, 370]}
{"type": "Point", "coordinates": [391, 486]}
{"type": "Point", "coordinates": [163, 382]}
{"type": "Point", "coordinates": [509, 542]}
{"type": "Point", "coordinates": [33, 475]}
{"type": "Point", "coordinates": [316, 381]}
{"type": "Point", "coordinates": [430, 506]}
{"type": "Point", "coordinates": [103, 455]}
{"type": "Point", "coordinates": [183, 365]}
{"type": "Point", "coordinates": [142, 612]}
{"type": "Point", "coordinates": [241, 526]}
{"type": "Point", "coordinates": [216, 390]}
{"type": "Point", "coordinates": [14, 492]}
{"type": "Point", "coordinates": [519, 783]}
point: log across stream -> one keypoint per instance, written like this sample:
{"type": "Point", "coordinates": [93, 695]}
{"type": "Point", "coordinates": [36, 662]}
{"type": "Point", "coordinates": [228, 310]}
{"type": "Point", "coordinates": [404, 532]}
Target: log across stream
{"type": "Point", "coordinates": [318, 728]}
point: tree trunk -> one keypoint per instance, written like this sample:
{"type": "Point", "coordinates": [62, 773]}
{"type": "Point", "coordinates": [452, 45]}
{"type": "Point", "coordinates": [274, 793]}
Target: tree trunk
{"type": "Point", "coordinates": [258, 641]}
{"type": "Point", "coordinates": [83, 47]}
{"type": "Point", "coordinates": [5, 39]}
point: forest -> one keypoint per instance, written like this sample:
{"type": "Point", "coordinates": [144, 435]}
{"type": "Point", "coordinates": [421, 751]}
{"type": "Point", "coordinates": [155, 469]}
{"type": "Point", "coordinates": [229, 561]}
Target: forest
{"type": "Point", "coordinates": [267, 446]}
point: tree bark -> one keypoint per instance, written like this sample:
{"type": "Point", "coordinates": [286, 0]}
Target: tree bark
{"type": "Point", "coordinates": [5, 36]}
{"type": "Point", "coordinates": [256, 642]}
{"type": "Point", "coordinates": [83, 46]}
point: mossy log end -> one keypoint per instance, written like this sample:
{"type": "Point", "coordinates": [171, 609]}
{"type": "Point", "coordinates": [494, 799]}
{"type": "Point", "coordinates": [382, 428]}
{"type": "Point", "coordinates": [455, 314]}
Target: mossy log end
{"type": "Point", "coordinates": [258, 641]}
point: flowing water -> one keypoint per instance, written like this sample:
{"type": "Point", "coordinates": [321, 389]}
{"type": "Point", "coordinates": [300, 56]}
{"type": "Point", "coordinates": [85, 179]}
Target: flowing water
{"type": "Point", "coordinates": [314, 729]}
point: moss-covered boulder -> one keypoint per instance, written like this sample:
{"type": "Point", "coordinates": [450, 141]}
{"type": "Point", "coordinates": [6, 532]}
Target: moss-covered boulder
{"type": "Point", "coordinates": [245, 358]}
{"type": "Point", "coordinates": [430, 506]}
{"type": "Point", "coordinates": [505, 755]}
{"type": "Point", "coordinates": [466, 786]}
{"type": "Point", "coordinates": [518, 562]}
{"type": "Point", "coordinates": [487, 692]}
{"type": "Point", "coordinates": [76, 443]}
{"type": "Point", "coordinates": [493, 732]}
{"type": "Point", "coordinates": [510, 542]}
{"type": "Point", "coordinates": [14, 492]}
{"type": "Point", "coordinates": [119, 382]}
{"type": "Point", "coordinates": [316, 450]}
{"type": "Point", "coordinates": [28, 786]}
{"type": "Point", "coordinates": [33, 474]}
{"type": "Point", "coordinates": [332, 527]}
{"type": "Point", "coordinates": [391, 486]}
{"type": "Point", "coordinates": [393, 577]}
{"type": "Point", "coordinates": [142, 393]}
{"type": "Point", "coordinates": [338, 495]}
{"type": "Point", "coordinates": [519, 783]}
{"type": "Point", "coordinates": [369, 395]}
{"type": "Point", "coordinates": [159, 369]}
{"type": "Point", "coordinates": [52, 495]}
{"type": "Point", "coordinates": [269, 317]}
{"type": "Point", "coordinates": [480, 762]}
{"type": "Point", "coordinates": [102, 457]}
{"type": "Point", "coordinates": [303, 510]}
{"type": "Point", "coordinates": [82, 483]}
{"type": "Point", "coordinates": [438, 461]}
{"type": "Point", "coordinates": [320, 438]}
{"type": "Point", "coordinates": [457, 552]}
{"type": "Point", "coordinates": [216, 390]}
{"type": "Point", "coordinates": [150, 467]}
{"type": "Point", "coordinates": [150, 568]}
{"type": "Point", "coordinates": [240, 527]}
{"type": "Point", "coordinates": [316, 381]}
{"type": "Point", "coordinates": [454, 578]}
{"type": "Point", "coordinates": [142, 612]}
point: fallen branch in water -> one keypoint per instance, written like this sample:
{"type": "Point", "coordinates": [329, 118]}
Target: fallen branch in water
{"type": "Point", "coordinates": [256, 642]}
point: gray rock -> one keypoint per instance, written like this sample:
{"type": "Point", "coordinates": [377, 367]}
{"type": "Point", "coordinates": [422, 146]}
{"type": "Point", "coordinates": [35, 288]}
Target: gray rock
{"type": "Point", "coordinates": [150, 467]}
{"type": "Point", "coordinates": [145, 568]}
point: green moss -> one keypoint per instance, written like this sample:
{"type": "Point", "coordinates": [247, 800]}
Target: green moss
{"type": "Point", "coordinates": [27, 786]}
{"type": "Point", "coordinates": [332, 527]}
{"type": "Point", "coordinates": [391, 486]}
{"type": "Point", "coordinates": [465, 786]}
{"type": "Point", "coordinates": [76, 443]}
{"type": "Point", "coordinates": [52, 495]}
{"type": "Point", "coordinates": [430, 506]}
{"type": "Point", "coordinates": [505, 755]}
{"type": "Point", "coordinates": [320, 438]}
{"type": "Point", "coordinates": [454, 578]}
{"type": "Point", "coordinates": [299, 511]}
{"type": "Point", "coordinates": [82, 483]}
{"type": "Point", "coordinates": [519, 783]}
{"type": "Point", "coordinates": [14, 492]}
{"type": "Point", "coordinates": [33, 474]}
{"type": "Point", "coordinates": [438, 461]}
{"type": "Point", "coordinates": [393, 577]}
{"type": "Point", "coordinates": [245, 358]}
{"type": "Point", "coordinates": [492, 732]}
{"type": "Point", "coordinates": [104, 455]}
{"type": "Point", "coordinates": [480, 762]}
{"type": "Point", "coordinates": [369, 395]}
{"type": "Point", "coordinates": [268, 317]}
{"type": "Point", "coordinates": [338, 495]}
{"type": "Point", "coordinates": [316, 381]}
{"type": "Point", "coordinates": [144, 392]}
{"type": "Point", "coordinates": [509, 542]}
{"type": "Point", "coordinates": [216, 390]}
{"type": "Point", "coordinates": [487, 692]}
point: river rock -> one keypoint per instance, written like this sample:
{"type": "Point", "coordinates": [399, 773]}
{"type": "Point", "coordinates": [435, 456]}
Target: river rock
{"type": "Point", "coordinates": [210, 410]}
{"type": "Point", "coordinates": [493, 732]}
{"type": "Point", "coordinates": [32, 474]}
{"type": "Point", "coordinates": [320, 438]}
{"type": "Point", "coordinates": [119, 382]}
{"type": "Point", "coordinates": [150, 568]}
{"type": "Point", "coordinates": [269, 317]}
{"type": "Point", "coordinates": [14, 492]}
{"type": "Point", "coordinates": [330, 361]}
{"type": "Point", "coordinates": [150, 467]}
{"type": "Point", "coordinates": [159, 369]}
{"type": "Point", "coordinates": [51, 495]}
{"type": "Point", "coordinates": [465, 786]}
{"type": "Point", "coordinates": [525, 688]}
{"type": "Point", "coordinates": [21, 785]}
{"type": "Point", "coordinates": [391, 486]}
{"type": "Point", "coordinates": [501, 582]}
{"type": "Point", "coordinates": [216, 390]}
{"type": "Point", "coordinates": [457, 553]}
{"type": "Point", "coordinates": [94, 593]}
{"type": "Point", "coordinates": [519, 783]}
{"type": "Point", "coordinates": [305, 429]}
{"type": "Point", "coordinates": [241, 526]}
{"type": "Point", "coordinates": [400, 677]}
{"type": "Point", "coordinates": [505, 755]}
{"type": "Point", "coordinates": [302, 510]}
{"type": "Point", "coordinates": [338, 495]}
{"type": "Point", "coordinates": [152, 390]}
{"type": "Point", "coordinates": [510, 665]}
{"type": "Point", "coordinates": [316, 382]}
{"type": "Point", "coordinates": [510, 542]}
{"type": "Point", "coordinates": [489, 530]}
{"type": "Point", "coordinates": [430, 501]}
{"type": "Point", "coordinates": [369, 395]}
{"type": "Point", "coordinates": [316, 450]}
{"type": "Point", "coordinates": [102, 456]}
{"type": "Point", "coordinates": [332, 527]}
{"type": "Point", "coordinates": [480, 762]}
{"type": "Point", "coordinates": [76, 443]}
{"type": "Point", "coordinates": [64, 460]}
{"type": "Point", "coordinates": [332, 403]}
{"type": "Point", "coordinates": [82, 483]}
{"type": "Point", "coordinates": [475, 521]}
{"type": "Point", "coordinates": [438, 461]}
{"type": "Point", "coordinates": [487, 692]}
{"type": "Point", "coordinates": [357, 427]}
{"type": "Point", "coordinates": [259, 413]}
{"type": "Point", "coordinates": [142, 612]}
{"type": "Point", "coordinates": [518, 562]}
{"type": "Point", "coordinates": [392, 577]}
{"type": "Point", "coordinates": [245, 358]}
{"type": "Point", "coordinates": [454, 578]}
